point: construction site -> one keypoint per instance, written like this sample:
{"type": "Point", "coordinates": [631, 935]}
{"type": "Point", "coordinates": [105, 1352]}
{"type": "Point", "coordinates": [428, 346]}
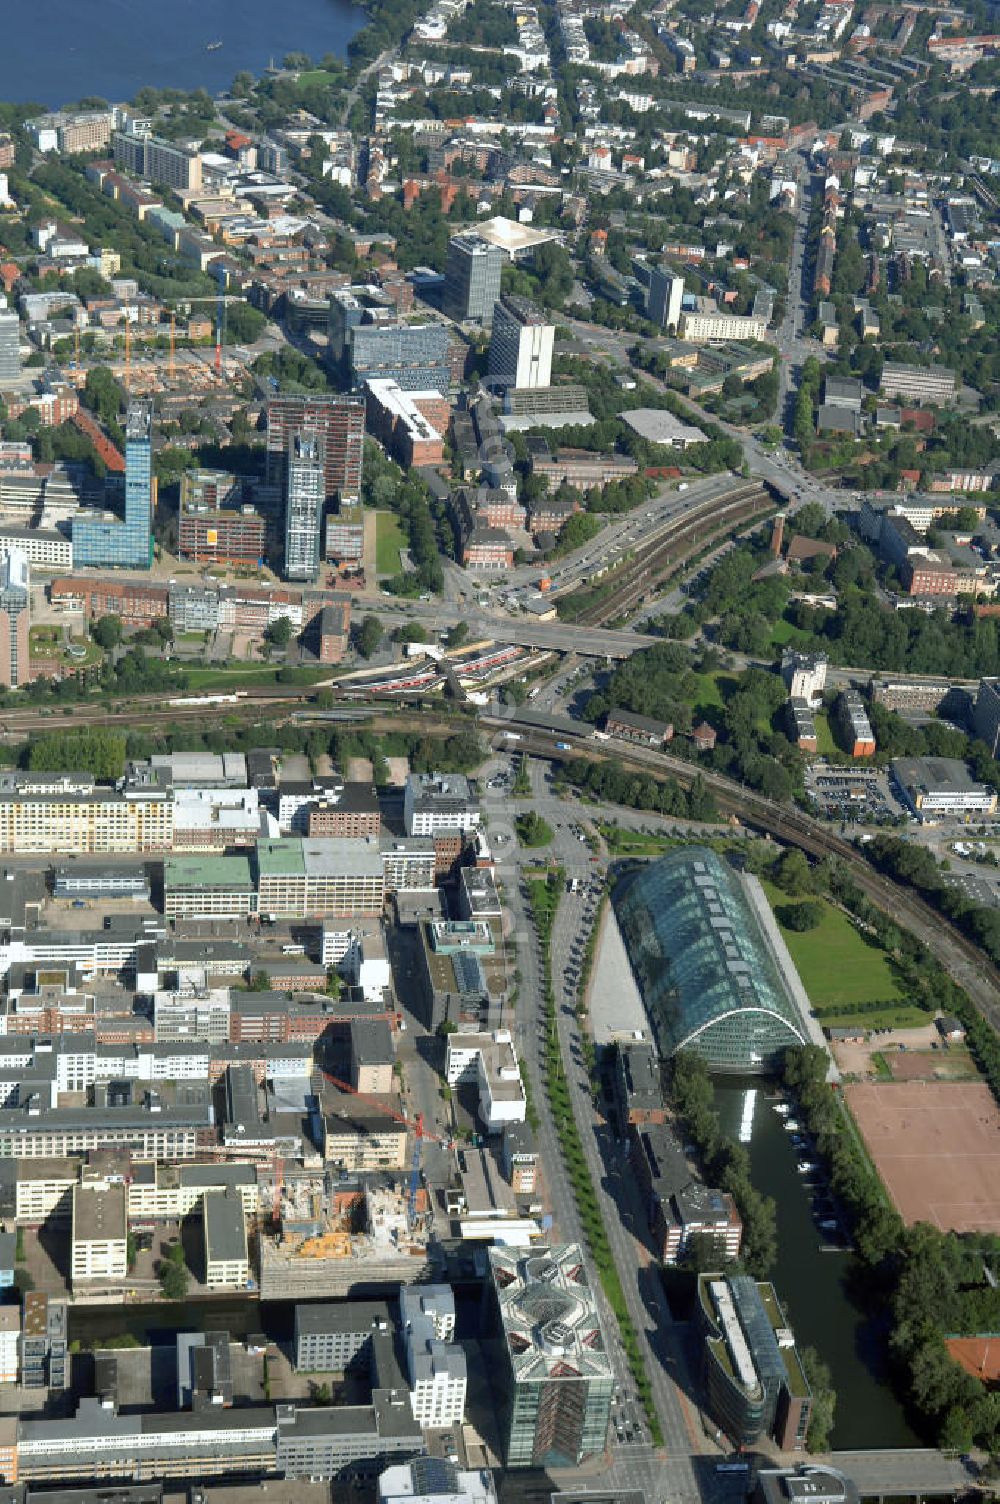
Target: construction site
{"type": "Point", "coordinates": [337, 1234]}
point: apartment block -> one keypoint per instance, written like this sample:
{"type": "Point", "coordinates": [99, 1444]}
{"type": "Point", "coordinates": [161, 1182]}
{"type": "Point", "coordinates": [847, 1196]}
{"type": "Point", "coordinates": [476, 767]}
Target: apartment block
{"type": "Point", "coordinates": [215, 524]}
{"type": "Point", "coordinates": [854, 724]}
{"type": "Point", "coordinates": [157, 161]}
{"type": "Point", "coordinates": [721, 326]}
{"type": "Point", "coordinates": [339, 421]}
{"type": "Point", "coordinates": [58, 814]}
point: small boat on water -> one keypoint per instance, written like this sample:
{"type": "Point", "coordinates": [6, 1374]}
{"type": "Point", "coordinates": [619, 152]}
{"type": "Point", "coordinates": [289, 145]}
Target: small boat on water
{"type": "Point", "coordinates": [782, 1108]}
{"type": "Point", "coordinates": [213, 46]}
{"type": "Point", "coordinates": [805, 1167]}
{"type": "Point", "coordinates": [791, 1126]}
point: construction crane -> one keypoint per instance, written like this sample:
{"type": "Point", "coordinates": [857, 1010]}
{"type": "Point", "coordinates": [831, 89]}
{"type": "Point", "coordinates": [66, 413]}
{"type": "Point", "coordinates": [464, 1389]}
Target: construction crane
{"type": "Point", "coordinates": [420, 1134]}
{"type": "Point", "coordinates": [278, 1166]}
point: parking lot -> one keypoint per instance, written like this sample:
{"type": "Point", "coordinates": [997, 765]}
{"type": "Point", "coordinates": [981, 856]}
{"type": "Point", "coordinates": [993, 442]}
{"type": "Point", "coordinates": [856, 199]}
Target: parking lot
{"type": "Point", "coordinates": [852, 795]}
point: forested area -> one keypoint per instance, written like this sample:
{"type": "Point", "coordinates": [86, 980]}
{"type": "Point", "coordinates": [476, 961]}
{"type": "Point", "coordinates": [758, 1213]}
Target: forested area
{"type": "Point", "coordinates": [930, 1283]}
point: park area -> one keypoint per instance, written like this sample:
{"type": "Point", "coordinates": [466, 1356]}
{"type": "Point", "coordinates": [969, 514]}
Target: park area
{"type": "Point", "coordinates": [843, 973]}
{"type": "Point", "coordinates": [936, 1145]}
{"type": "Point", "coordinates": [389, 539]}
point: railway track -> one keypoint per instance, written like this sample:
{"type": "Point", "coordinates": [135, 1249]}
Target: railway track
{"type": "Point", "coordinates": [704, 524]}
{"type": "Point", "coordinates": [960, 956]}
{"type": "Point", "coordinates": [671, 549]}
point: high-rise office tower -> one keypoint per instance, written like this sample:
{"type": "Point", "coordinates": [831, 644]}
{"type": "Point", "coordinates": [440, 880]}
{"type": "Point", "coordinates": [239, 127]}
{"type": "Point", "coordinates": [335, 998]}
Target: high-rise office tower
{"type": "Point", "coordinates": [15, 603]}
{"type": "Point", "coordinates": [109, 542]}
{"type": "Point", "coordinates": [665, 293]}
{"type": "Point", "coordinates": [305, 496]}
{"type": "Point", "coordinates": [554, 1376]}
{"type": "Point", "coordinates": [10, 345]}
{"type": "Point", "coordinates": [520, 345]}
{"type": "Point", "coordinates": [471, 278]}
{"type": "Point", "coordinates": [340, 423]}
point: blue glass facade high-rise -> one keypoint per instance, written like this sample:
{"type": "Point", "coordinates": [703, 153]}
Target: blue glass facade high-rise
{"type": "Point", "coordinates": [109, 542]}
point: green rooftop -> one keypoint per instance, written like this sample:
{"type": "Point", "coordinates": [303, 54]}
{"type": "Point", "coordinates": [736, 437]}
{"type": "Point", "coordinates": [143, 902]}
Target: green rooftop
{"type": "Point", "coordinates": [281, 858]}
{"type": "Point", "coordinates": [207, 872]}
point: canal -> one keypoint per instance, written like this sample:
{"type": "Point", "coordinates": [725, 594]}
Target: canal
{"type": "Point", "coordinates": [812, 1285]}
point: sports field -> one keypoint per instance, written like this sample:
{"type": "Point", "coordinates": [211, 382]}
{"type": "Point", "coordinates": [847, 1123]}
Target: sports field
{"type": "Point", "coordinates": [936, 1145]}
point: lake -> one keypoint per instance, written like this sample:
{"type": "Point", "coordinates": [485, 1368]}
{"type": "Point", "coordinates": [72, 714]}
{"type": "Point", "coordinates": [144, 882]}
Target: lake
{"type": "Point", "coordinates": [64, 50]}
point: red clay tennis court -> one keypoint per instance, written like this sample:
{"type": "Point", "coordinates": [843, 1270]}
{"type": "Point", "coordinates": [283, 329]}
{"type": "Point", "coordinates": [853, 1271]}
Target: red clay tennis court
{"type": "Point", "coordinates": [936, 1145]}
{"type": "Point", "coordinates": [979, 1356]}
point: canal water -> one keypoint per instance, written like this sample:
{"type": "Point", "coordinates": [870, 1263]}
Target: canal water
{"type": "Point", "coordinates": [812, 1285]}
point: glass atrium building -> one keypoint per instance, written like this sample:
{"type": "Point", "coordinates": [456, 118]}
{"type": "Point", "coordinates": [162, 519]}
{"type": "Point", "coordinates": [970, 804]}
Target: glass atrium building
{"type": "Point", "coordinates": [708, 977]}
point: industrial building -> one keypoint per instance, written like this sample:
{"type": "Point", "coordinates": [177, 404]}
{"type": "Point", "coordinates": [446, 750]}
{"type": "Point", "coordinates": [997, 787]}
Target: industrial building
{"type": "Point", "coordinates": [934, 384]}
{"type": "Point", "coordinates": [705, 971]}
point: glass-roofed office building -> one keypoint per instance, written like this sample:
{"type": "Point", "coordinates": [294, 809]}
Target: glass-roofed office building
{"type": "Point", "coordinates": [707, 975]}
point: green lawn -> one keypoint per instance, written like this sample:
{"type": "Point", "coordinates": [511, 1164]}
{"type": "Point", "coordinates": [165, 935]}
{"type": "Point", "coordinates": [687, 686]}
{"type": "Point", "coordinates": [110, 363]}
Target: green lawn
{"type": "Point", "coordinates": [837, 967]}
{"type": "Point", "coordinates": [710, 691]}
{"type": "Point", "coordinates": [825, 744]}
{"type": "Point", "coordinates": [634, 842]}
{"type": "Point", "coordinates": [389, 539]}
{"type": "Point", "coordinates": [252, 674]}
{"type": "Point", "coordinates": [785, 633]}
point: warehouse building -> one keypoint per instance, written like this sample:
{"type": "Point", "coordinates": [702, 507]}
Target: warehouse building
{"type": "Point", "coordinates": [936, 787]}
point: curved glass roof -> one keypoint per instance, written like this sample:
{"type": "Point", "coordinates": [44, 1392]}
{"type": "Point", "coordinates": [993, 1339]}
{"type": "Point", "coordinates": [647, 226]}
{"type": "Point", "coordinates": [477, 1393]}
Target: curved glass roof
{"type": "Point", "coordinates": [705, 969]}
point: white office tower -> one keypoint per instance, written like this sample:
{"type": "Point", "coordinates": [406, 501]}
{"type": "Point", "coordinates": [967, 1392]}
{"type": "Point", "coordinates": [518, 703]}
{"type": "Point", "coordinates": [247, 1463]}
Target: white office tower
{"type": "Point", "coordinates": [10, 344]}
{"type": "Point", "coordinates": [666, 292]}
{"type": "Point", "coordinates": [521, 345]}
